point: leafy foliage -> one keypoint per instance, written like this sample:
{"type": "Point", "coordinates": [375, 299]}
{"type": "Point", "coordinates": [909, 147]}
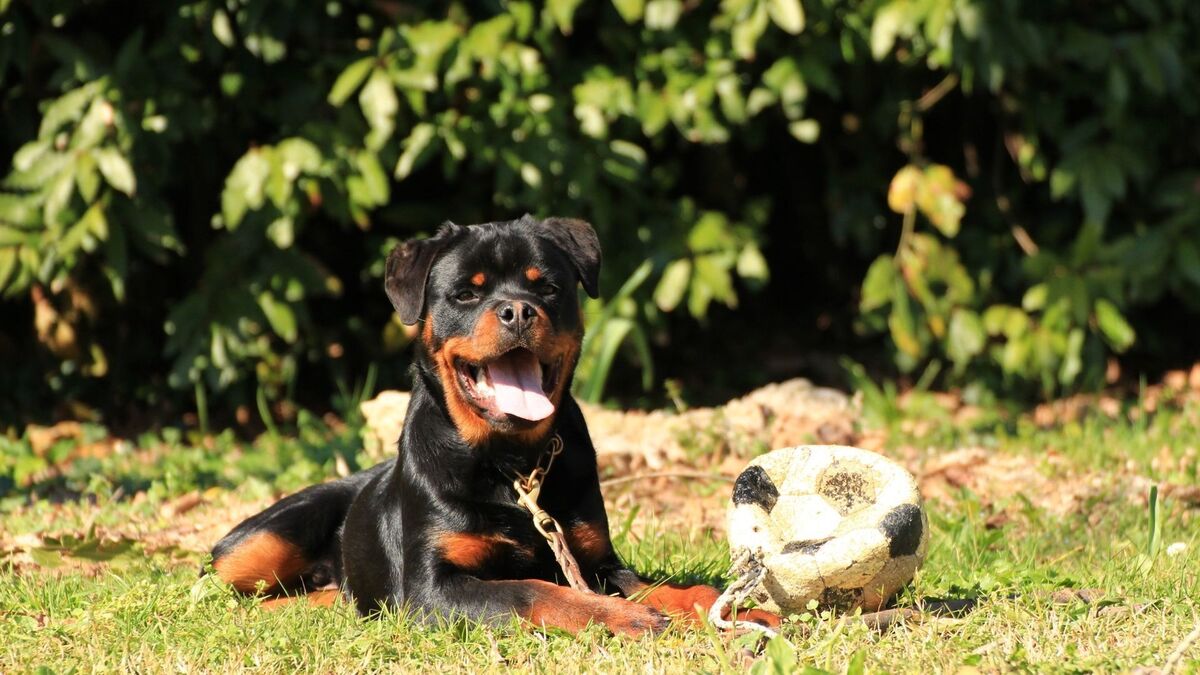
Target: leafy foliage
{"type": "Point", "coordinates": [195, 179]}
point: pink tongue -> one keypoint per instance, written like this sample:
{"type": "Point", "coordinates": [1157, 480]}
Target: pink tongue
{"type": "Point", "coordinates": [517, 386]}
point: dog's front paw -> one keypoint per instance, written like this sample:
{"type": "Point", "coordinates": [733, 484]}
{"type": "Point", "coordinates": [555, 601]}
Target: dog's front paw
{"type": "Point", "coordinates": [636, 620]}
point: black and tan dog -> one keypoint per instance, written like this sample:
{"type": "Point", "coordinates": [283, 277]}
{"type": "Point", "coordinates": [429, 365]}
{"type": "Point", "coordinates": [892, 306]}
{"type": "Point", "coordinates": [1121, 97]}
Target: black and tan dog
{"type": "Point", "coordinates": [438, 531]}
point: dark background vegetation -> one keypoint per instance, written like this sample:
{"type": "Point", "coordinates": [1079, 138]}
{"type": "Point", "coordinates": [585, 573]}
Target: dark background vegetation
{"type": "Point", "coordinates": [988, 194]}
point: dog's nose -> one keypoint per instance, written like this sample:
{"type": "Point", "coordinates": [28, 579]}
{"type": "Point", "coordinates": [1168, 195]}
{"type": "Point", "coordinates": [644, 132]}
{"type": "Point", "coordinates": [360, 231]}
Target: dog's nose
{"type": "Point", "coordinates": [518, 316]}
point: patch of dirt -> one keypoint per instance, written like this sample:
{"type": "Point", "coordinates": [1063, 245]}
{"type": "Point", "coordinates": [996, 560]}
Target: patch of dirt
{"type": "Point", "coordinates": [1049, 482]}
{"type": "Point", "coordinates": [777, 415]}
{"type": "Point", "coordinates": [1177, 386]}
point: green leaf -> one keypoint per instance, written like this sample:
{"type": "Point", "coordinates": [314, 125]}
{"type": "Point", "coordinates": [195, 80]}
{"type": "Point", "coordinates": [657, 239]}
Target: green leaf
{"type": "Point", "coordinates": [29, 154]}
{"type": "Point", "coordinates": [699, 296]}
{"type": "Point", "coordinates": [87, 176]}
{"type": "Point", "coordinates": [67, 107]}
{"type": "Point", "coordinates": [712, 272]}
{"type": "Point", "coordinates": [244, 187]}
{"type": "Point", "coordinates": [746, 32]}
{"type": "Point", "coordinates": [1062, 181]}
{"type": "Point", "coordinates": [20, 210]}
{"type": "Point", "coordinates": [711, 233]}
{"type": "Point", "coordinates": [58, 194]}
{"type": "Point", "coordinates": [92, 128]}
{"type": "Point", "coordinates": [298, 156]}
{"type": "Point", "coordinates": [634, 282]}
{"type": "Point", "coordinates": [374, 179]}
{"type": "Point", "coordinates": [805, 131]}
{"type": "Point", "coordinates": [563, 13]}
{"type": "Point", "coordinates": [612, 334]}
{"type": "Point", "coordinates": [414, 149]}
{"type": "Point", "coordinates": [46, 557]}
{"type": "Point", "coordinates": [890, 22]}
{"type": "Point", "coordinates": [779, 657]}
{"type": "Point", "coordinates": [1113, 326]}
{"type": "Point", "coordinates": [222, 28]}
{"type": "Point", "coordinates": [278, 186]}
{"type": "Point", "coordinates": [98, 550]}
{"type": "Point", "coordinates": [878, 285]}
{"type": "Point", "coordinates": [630, 10]}
{"type": "Point", "coordinates": [116, 170]}
{"type": "Point", "coordinates": [116, 257]}
{"type": "Point", "coordinates": [92, 224]}
{"type": "Point", "coordinates": [279, 315]}
{"type": "Point", "coordinates": [1035, 297]}
{"type": "Point", "coordinates": [663, 14]}
{"type": "Point", "coordinates": [673, 284]}
{"type": "Point", "coordinates": [857, 664]}
{"type": "Point", "coordinates": [282, 232]}
{"type": "Point", "coordinates": [903, 325]}
{"type": "Point", "coordinates": [1072, 363]}
{"type": "Point", "coordinates": [379, 105]}
{"type": "Point", "coordinates": [965, 337]}
{"type": "Point", "coordinates": [787, 14]}
{"type": "Point", "coordinates": [8, 264]}
{"type": "Point", "coordinates": [733, 104]}
{"type": "Point", "coordinates": [1154, 538]}
{"type": "Point", "coordinates": [785, 80]}
{"type": "Point", "coordinates": [752, 266]}
{"type": "Point", "coordinates": [350, 80]}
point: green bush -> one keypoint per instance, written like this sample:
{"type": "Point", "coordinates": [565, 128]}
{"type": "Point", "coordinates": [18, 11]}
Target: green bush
{"type": "Point", "coordinates": [201, 193]}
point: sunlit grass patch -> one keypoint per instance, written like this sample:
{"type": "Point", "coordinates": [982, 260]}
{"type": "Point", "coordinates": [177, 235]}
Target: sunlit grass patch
{"type": "Point", "coordinates": [93, 583]}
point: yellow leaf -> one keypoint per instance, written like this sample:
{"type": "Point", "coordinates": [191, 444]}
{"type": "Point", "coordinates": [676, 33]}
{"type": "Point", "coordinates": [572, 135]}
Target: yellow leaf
{"type": "Point", "coordinates": [902, 193]}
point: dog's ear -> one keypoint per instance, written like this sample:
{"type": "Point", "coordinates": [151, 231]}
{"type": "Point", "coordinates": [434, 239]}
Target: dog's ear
{"type": "Point", "coordinates": [408, 268]}
{"type": "Point", "coordinates": [578, 240]}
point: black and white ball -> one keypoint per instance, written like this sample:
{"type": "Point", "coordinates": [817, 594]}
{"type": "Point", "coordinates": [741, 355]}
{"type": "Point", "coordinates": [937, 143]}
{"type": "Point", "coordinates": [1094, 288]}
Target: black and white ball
{"type": "Point", "coordinates": [839, 525]}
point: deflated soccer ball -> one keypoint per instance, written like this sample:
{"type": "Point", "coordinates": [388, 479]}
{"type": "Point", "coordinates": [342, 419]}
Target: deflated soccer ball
{"type": "Point", "coordinates": [839, 525]}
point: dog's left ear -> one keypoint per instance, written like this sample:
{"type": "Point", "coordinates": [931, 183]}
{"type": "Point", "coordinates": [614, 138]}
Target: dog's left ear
{"type": "Point", "coordinates": [408, 268]}
{"type": "Point", "coordinates": [578, 240]}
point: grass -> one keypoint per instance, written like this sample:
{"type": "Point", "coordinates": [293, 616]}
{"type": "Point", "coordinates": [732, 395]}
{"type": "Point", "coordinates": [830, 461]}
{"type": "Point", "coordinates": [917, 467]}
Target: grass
{"type": "Point", "coordinates": [131, 604]}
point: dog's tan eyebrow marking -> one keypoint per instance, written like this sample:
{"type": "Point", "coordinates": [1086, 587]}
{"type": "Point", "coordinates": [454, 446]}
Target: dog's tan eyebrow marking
{"type": "Point", "coordinates": [533, 274]}
{"type": "Point", "coordinates": [478, 279]}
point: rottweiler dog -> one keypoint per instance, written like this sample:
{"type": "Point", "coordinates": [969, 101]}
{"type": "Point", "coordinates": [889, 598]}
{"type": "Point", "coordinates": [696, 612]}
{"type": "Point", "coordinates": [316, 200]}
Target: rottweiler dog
{"type": "Point", "coordinates": [438, 530]}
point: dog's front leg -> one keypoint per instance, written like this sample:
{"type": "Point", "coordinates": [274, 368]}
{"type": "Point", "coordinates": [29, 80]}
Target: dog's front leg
{"type": "Point", "coordinates": [688, 602]}
{"type": "Point", "coordinates": [541, 603]}
{"type": "Point", "coordinates": [599, 561]}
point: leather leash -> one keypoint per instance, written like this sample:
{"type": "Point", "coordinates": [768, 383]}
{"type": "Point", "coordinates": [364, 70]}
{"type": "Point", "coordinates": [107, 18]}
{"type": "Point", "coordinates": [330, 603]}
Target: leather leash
{"type": "Point", "coordinates": [529, 488]}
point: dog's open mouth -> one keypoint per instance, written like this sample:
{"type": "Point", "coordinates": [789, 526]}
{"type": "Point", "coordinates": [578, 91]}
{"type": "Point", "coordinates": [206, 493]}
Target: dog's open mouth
{"type": "Point", "coordinates": [514, 383]}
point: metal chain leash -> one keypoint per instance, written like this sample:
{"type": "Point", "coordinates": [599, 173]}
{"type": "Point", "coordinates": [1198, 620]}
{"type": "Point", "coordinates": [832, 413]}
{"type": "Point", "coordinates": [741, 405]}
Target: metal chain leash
{"type": "Point", "coordinates": [529, 488]}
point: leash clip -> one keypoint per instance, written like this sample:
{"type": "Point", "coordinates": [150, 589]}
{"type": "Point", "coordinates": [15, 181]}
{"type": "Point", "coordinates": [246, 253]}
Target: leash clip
{"type": "Point", "coordinates": [528, 491]}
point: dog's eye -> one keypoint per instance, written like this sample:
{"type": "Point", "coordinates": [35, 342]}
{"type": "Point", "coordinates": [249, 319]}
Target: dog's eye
{"type": "Point", "coordinates": [466, 296]}
{"type": "Point", "coordinates": [548, 290]}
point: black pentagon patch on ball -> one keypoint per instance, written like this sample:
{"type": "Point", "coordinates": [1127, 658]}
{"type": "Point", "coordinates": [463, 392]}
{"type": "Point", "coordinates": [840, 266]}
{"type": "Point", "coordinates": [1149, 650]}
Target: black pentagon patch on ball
{"type": "Point", "coordinates": [754, 486]}
{"type": "Point", "coordinates": [902, 526]}
{"type": "Point", "coordinates": [841, 598]}
{"type": "Point", "coordinates": [807, 547]}
{"type": "Point", "coordinates": [846, 491]}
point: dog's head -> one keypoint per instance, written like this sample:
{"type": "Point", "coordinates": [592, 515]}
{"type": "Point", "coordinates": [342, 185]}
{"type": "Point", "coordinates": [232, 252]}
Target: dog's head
{"type": "Point", "coordinates": [501, 318]}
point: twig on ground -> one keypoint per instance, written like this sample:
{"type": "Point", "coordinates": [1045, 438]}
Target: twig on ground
{"type": "Point", "coordinates": [1176, 656]}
